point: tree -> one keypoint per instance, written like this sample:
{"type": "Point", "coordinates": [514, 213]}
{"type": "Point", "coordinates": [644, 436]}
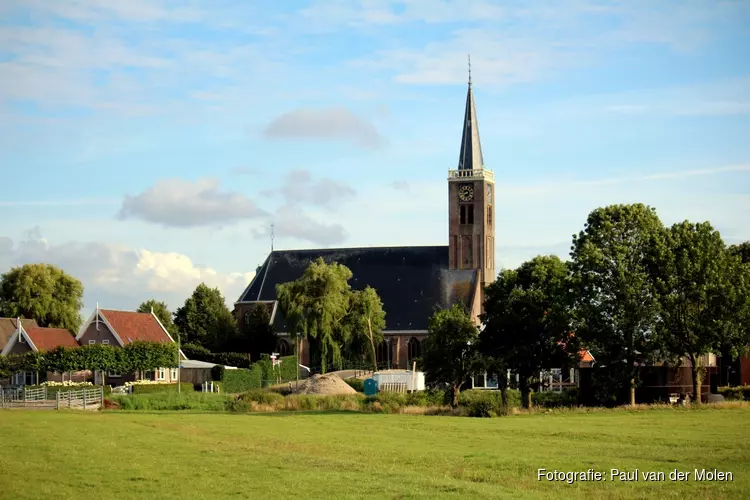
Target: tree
{"type": "Point", "coordinates": [527, 325]}
{"type": "Point", "coordinates": [367, 319]}
{"type": "Point", "coordinates": [42, 292]}
{"type": "Point", "coordinates": [704, 293]}
{"type": "Point", "coordinates": [205, 319]}
{"type": "Point", "coordinates": [450, 351]}
{"type": "Point", "coordinates": [257, 335]}
{"type": "Point", "coordinates": [316, 306]}
{"type": "Point", "coordinates": [741, 250]}
{"type": "Point", "coordinates": [161, 311]}
{"type": "Point", "coordinates": [616, 300]}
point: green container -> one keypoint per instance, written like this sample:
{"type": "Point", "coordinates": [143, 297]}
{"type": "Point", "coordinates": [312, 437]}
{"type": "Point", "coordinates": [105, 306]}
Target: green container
{"type": "Point", "coordinates": [371, 387]}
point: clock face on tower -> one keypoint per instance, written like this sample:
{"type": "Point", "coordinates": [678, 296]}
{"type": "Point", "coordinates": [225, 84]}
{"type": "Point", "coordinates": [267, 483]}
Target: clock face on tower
{"type": "Point", "coordinates": [466, 192]}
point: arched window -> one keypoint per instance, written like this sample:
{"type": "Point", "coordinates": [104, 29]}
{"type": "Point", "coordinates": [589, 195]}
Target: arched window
{"type": "Point", "coordinates": [415, 349]}
{"type": "Point", "coordinates": [284, 348]}
{"type": "Point", "coordinates": [247, 317]}
{"type": "Point", "coordinates": [382, 354]}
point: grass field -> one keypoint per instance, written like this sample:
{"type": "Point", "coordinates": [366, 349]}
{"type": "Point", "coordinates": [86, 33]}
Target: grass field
{"type": "Point", "coordinates": [122, 455]}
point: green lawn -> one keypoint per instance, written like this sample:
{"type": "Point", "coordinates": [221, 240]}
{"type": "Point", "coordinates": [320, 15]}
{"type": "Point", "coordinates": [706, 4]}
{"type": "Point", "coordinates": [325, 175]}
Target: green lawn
{"type": "Point", "coordinates": [118, 455]}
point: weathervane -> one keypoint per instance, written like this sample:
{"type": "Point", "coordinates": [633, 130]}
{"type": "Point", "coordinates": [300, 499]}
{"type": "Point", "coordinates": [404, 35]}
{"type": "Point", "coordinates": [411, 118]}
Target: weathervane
{"type": "Point", "coordinates": [469, 69]}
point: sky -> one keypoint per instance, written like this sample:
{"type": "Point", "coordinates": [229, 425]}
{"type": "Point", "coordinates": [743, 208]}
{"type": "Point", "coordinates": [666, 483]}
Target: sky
{"type": "Point", "coordinates": [147, 146]}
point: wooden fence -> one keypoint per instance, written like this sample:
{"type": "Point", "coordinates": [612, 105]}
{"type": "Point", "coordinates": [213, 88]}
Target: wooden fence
{"type": "Point", "coordinates": [76, 399]}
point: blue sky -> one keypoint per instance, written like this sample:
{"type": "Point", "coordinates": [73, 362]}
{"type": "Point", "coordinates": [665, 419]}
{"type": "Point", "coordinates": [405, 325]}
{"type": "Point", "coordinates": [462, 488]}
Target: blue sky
{"type": "Point", "coordinates": [147, 145]}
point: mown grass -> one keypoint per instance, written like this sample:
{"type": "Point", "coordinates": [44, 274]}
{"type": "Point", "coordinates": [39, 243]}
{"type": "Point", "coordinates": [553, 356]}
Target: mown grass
{"type": "Point", "coordinates": [115, 455]}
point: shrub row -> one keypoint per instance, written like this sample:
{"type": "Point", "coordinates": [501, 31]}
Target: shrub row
{"type": "Point", "coordinates": [738, 393]}
{"type": "Point", "coordinates": [161, 388]}
{"type": "Point", "coordinates": [200, 353]}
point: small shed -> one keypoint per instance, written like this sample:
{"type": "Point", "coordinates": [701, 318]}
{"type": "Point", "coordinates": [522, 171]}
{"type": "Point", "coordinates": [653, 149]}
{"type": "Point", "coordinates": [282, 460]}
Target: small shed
{"type": "Point", "coordinates": [412, 381]}
{"type": "Point", "coordinates": [196, 372]}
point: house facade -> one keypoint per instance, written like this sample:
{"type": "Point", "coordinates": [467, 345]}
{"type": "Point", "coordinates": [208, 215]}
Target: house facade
{"type": "Point", "coordinates": [119, 328]}
{"type": "Point", "coordinates": [28, 337]}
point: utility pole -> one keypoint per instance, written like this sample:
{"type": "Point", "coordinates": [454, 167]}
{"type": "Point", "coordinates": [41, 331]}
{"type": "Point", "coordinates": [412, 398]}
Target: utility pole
{"type": "Point", "coordinates": [179, 386]}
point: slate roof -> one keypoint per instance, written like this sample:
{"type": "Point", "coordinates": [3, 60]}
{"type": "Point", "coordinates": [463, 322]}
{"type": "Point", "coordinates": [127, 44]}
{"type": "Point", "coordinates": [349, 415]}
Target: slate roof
{"type": "Point", "coordinates": [133, 326]}
{"type": "Point", "coordinates": [411, 281]}
{"type": "Point", "coordinates": [8, 328]}
{"type": "Point", "coordinates": [46, 339]}
{"type": "Point", "coordinates": [470, 157]}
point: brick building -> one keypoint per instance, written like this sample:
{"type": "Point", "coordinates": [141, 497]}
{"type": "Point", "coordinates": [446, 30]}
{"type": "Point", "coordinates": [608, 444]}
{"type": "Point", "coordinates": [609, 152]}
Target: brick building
{"type": "Point", "coordinates": [411, 281]}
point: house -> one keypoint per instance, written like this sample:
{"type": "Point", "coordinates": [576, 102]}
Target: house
{"type": "Point", "coordinates": [27, 338]}
{"type": "Point", "coordinates": [411, 281]}
{"type": "Point", "coordinates": [120, 328]}
{"type": "Point", "coordinates": [8, 327]}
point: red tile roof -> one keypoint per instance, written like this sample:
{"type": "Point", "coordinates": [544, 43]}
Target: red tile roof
{"type": "Point", "coordinates": [45, 339]}
{"type": "Point", "coordinates": [585, 356]}
{"type": "Point", "coordinates": [134, 326]}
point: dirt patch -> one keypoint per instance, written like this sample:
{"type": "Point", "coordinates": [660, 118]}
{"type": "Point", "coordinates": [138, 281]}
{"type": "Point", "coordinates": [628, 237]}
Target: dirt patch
{"type": "Point", "coordinates": [326, 385]}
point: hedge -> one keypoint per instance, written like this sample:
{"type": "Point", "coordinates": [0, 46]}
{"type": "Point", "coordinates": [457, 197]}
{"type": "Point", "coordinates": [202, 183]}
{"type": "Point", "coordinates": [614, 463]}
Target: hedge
{"type": "Point", "coordinates": [735, 393]}
{"type": "Point", "coordinates": [200, 353]}
{"type": "Point", "coordinates": [241, 379]}
{"type": "Point", "coordinates": [136, 356]}
{"type": "Point", "coordinates": [153, 388]}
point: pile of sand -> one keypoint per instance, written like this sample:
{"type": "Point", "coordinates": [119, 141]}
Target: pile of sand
{"type": "Point", "coordinates": [326, 385]}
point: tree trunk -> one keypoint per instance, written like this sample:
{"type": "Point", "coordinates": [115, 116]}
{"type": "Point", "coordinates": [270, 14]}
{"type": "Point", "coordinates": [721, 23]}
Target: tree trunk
{"type": "Point", "coordinates": [696, 380]}
{"type": "Point", "coordinates": [456, 392]}
{"type": "Point", "coordinates": [525, 392]}
{"type": "Point", "coordinates": [372, 345]}
{"type": "Point", "coordinates": [632, 392]}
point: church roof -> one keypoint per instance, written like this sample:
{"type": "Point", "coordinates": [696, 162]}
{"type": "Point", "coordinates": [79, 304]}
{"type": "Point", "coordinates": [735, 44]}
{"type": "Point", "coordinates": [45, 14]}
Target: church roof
{"type": "Point", "coordinates": [411, 281]}
{"type": "Point", "coordinates": [471, 148]}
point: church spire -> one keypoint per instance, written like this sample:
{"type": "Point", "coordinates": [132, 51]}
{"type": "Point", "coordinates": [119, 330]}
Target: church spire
{"type": "Point", "coordinates": [471, 148]}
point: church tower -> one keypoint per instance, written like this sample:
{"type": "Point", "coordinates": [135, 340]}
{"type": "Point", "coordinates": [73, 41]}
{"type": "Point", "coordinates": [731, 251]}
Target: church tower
{"type": "Point", "coordinates": [471, 197]}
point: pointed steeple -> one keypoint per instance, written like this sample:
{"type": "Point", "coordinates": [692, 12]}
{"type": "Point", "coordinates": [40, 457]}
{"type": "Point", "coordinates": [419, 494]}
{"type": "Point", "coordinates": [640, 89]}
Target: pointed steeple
{"type": "Point", "coordinates": [471, 147]}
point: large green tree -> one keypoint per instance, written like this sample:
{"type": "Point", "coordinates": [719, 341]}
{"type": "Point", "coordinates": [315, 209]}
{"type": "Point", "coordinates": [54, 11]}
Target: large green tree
{"type": "Point", "coordinates": [316, 307]}
{"type": "Point", "coordinates": [704, 294]}
{"type": "Point", "coordinates": [367, 321]}
{"type": "Point", "coordinates": [161, 311]}
{"type": "Point", "coordinates": [617, 304]}
{"type": "Point", "coordinates": [450, 353]}
{"type": "Point", "coordinates": [204, 319]}
{"type": "Point", "coordinates": [42, 292]}
{"type": "Point", "coordinates": [741, 250]}
{"type": "Point", "coordinates": [526, 320]}
{"type": "Point", "coordinates": [257, 335]}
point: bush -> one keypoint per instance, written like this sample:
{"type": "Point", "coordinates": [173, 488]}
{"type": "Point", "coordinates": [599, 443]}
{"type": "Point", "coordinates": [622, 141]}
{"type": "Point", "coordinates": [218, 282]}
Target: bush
{"type": "Point", "coordinates": [737, 393]}
{"type": "Point", "coordinates": [356, 383]}
{"type": "Point", "coordinates": [478, 403]}
{"type": "Point", "coordinates": [195, 351]}
{"type": "Point", "coordinates": [551, 399]}
{"type": "Point", "coordinates": [217, 372]}
{"type": "Point", "coordinates": [160, 388]}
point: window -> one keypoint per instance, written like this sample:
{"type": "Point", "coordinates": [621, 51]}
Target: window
{"type": "Point", "coordinates": [247, 317]}
{"type": "Point", "coordinates": [105, 342]}
{"type": "Point", "coordinates": [489, 216]}
{"type": "Point", "coordinates": [173, 374]}
{"type": "Point", "coordinates": [463, 214]}
{"type": "Point", "coordinates": [162, 374]}
{"type": "Point", "coordinates": [92, 342]}
{"type": "Point", "coordinates": [114, 374]}
{"type": "Point", "coordinates": [471, 214]}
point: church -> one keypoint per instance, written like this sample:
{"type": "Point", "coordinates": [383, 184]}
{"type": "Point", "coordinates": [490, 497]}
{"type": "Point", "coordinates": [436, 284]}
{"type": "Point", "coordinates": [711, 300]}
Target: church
{"type": "Point", "coordinates": [414, 281]}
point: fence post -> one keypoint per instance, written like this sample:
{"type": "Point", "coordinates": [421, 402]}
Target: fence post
{"type": "Point", "coordinates": [101, 397]}
{"type": "Point", "coordinates": [57, 400]}
{"type": "Point", "coordinates": [84, 399]}
{"type": "Point", "coordinates": [70, 394]}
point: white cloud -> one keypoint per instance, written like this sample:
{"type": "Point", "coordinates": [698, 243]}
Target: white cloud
{"type": "Point", "coordinates": [291, 222]}
{"type": "Point", "coordinates": [324, 124]}
{"type": "Point", "coordinates": [117, 276]}
{"type": "Point", "coordinates": [299, 188]}
{"type": "Point", "coordinates": [182, 203]}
